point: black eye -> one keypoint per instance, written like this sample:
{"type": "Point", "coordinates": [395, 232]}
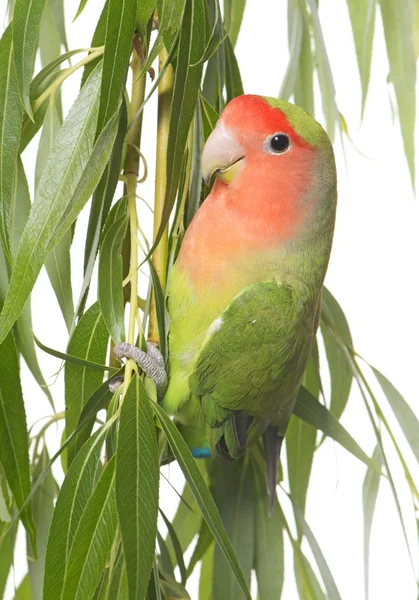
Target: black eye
{"type": "Point", "coordinates": [279, 142]}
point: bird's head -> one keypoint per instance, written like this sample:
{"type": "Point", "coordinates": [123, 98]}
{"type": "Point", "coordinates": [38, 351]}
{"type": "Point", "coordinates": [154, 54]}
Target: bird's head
{"type": "Point", "coordinates": [266, 139]}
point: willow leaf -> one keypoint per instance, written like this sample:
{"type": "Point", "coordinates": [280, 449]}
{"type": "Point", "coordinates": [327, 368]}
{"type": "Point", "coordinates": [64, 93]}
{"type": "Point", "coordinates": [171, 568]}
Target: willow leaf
{"type": "Point", "coordinates": [340, 373]}
{"type": "Point", "coordinates": [72, 151]}
{"type": "Point", "coordinates": [19, 211]}
{"type": "Point", "coordinates": [13, 434]}
{"type": "Point", "coordinates": [205, 539]}
{"type": "Point", "coordinates": [101, 203]}
{"type": "Point", "coordinates": [120, 25]}
{"type": "Point", "coordinates": [80, 9]}
{"type": "Point", "coordinates": [111, 298]}
{"type": "Point", "coordinates": [43, 507]}
{"type": "Point", "coordinates": [362, 14]}
{"type": "Point", "coordinates": [144, 13]}
{"type": "Point", "coordinates": [137, 487]}
{"type": "Point", "coordinates": [93, 539]}
{"type": "Point", "coordinates": [295, 27]}
{"type": "Point", "coordinates": [187, 519]}
{"type": "Point", "coordinates": [329, 582]}
{"type": "Point", "coordinates": [303, 85]}
{"type": "Point", "coordinates": [232, 488]}
{"type": "Point", "coordinates": [369, 498]}
{"type": "Point", "coordinates": [397, 20]}
{"type": "Point", "coordinates": [185, 94]}
{"type": "Point", "coordinates": [57, 263]}
{"type": "Point", "coordinates": [234, 86]}
{"type": "Point", "coordinates": [327, 86]}
{"type": "Point", "coordinates": [200, 491]}
{"type": "Point", "coordinates": [74, 495]}
{"type": "Point", "coordinates": [89, 341]}
{"type": "Point", "coordinates": [236, 17]}
{"type": "Point", "coordinates": [310, 409]}
{"type": "Point", "coordinates": [26, 23]}
{"type": "Point", "coordinates": [407, 419]}
{"type": "Point", "coordinates": [269, 541]}
{"type": "Point", "coordinates": [176, 546]}
{"type": "Point", "coordinates": [7, 542]}
{"type": "Point", "coordinates": [75, 359]}
{"type": "Point", "coordinates": [10, 122]}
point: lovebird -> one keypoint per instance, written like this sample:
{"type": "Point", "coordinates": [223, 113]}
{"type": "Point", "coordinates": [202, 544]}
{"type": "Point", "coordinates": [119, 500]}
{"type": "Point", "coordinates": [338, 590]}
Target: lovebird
{"type": "Point", "coordinates": [244, 295]}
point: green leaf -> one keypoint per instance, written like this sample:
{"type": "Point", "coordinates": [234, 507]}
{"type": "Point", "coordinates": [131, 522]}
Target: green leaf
{"type": "Point", "coordinates": [89, 341]}
{"type": "Point", "coordinates": [234, 86]}
{"type": "Point", "coordinates": [369, 498]}
{"type": "Point", "coordinates": [334, 317]}
{"type": "Point", "coordinates": [236, 17]}
{"type": "Point", "coordinates": [185, 94]}
{"type": "Point", "coordinates": [200, 491]}
{"type": "Point", "coordinates": [13, 434]}
{"type": "Point", "coordinates": [172, 589]}
{"type": "Point", "coordinates": [303, 85]}
{"type": "Point", "coordinates": [57, 263]}
{"type": "Point", "coordinates": [98, 39]}
{"type": "Point", "coordinates": [43, 507]}
{"type": "Point", "coordinates": [80, 9]}
{"type": "Point", "coordinates": [301, 444]}
{"type": "Point", "coordinates": [26, 23]}
{"type": "Point", "coordinates": [176, 546]}
{"type": "Point", "coordinates": [10, 122]}
{"type": "Point", "coordinates": [145, 11]}
{"type": "Point", "coordinates": [74, 359]}
{"type": "Point", "coordinates": [24, 591]}
{"type": "Point", "coordinates": [118, 583]}
{"type": "Point", "coordinates": [61, 194]}
{"type": "Point", "coordinates": [206, 579]}
{"type": "Point", "coordinates": [101, 203]}
{"type": "Point", "coordinates": [295, 29]}
{"type": "Point", "coordinates": [397, 20]}
{"type": "Point", "coordinates": [232, 488]}
{"type": "Point", "coordinates": [307, 583]}
{"type": "Point", "coordinates": [161, 310]}
{"type": "Point", "coordinates": [111, 297]}
{"type": "Point", "coordinates": [340, 372]}
{"type": "Point", "coordinates": [93, 539]}
{"type": "Point", "coordinates": [404, 414]}
{"type": "Point", "coordinates": [99, 400]}
{"type": "Point", "coordinates": [205, 539]}
{"type": "Point", "coordinates": [75, 492]}
{"type": "Point", "coordinates": [187, 519]}
{"type": "Point", "coordinates": [19, 211]}
{"type": "Point", "coordinates": [209, 117]}
{"type": "Point", "coordinates": [309, 409]}
{"type": "Point", "coordinates": [362, 15]}
{"type": "Point", "coordinates": [120, 27]}
{"type": "Point", "coordinates": [329, 582]}
{"type": "Point", "coordinates": [327, 86]}
{"type": "Point", "coordinates": [137, 487]}
{"type": "Point", "coordinates": [7, 542]}
{"type": "Point", "coordinates": [269, 541]}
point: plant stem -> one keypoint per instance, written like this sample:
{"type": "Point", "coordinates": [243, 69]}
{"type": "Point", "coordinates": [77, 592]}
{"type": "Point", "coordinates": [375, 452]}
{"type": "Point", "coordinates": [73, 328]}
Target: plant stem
{"type": "Point", "coordinates": [160, 253]}
{"type": "Point", "coordinates": [131, 168]}
{"type": "Point", "coordinates": [53, 88]}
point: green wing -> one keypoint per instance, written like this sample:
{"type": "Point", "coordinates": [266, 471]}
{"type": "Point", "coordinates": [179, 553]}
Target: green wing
{"type": "Point", "coordinates": [253, 360]}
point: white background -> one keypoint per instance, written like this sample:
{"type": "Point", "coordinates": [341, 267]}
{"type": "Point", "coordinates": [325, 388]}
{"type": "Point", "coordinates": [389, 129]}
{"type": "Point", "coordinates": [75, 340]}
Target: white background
{"type": "Point", "coordinates": [373, 273]}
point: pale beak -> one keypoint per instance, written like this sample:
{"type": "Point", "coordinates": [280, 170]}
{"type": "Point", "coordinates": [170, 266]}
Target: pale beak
{"type": "Point", "coordinates": [222, 155]}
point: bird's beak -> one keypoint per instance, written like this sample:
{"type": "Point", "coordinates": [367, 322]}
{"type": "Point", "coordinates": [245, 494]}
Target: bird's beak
{"type": "Point", "coordinates": [222, 155]}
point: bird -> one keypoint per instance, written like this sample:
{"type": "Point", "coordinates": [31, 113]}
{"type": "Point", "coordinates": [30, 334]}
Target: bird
{"type": "Point", "coordinates": [244, 294]}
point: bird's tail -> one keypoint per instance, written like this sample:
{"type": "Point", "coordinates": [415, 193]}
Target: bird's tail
{"type": "Point", "coordinates": [272, 443]}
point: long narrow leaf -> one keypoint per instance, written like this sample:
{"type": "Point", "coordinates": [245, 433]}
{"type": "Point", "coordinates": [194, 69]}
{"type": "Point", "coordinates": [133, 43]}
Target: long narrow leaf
{"type": "Point", "coordinates": [13, 433]}
{"type": "Point", "coordinates": [72, 151]}
{"type": "Point", "coordinates": [369, 498]}
{"type": "Point", "coordinates": [75, 493]}
{"type": "Point", "coordinates": [137, 487]}
{"type": "Point", "coordinates": [11, 113]}
{"type": "Point", "coordinates": [201, 493]}
{"type": "Point", "coordinates": [26, 22]}
{"type": "Point", "coordinates": [93, 539]}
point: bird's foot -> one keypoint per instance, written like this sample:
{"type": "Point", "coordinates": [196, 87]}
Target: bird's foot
{"type": "Point", "coordinates": [150, 362]}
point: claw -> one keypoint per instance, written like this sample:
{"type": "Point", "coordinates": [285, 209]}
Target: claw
{"type": "Point", "coordinates": [151, 362]}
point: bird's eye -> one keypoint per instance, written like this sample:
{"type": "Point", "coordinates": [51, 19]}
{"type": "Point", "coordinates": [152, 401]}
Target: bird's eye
{"type": "Point", "coordinates": [278, 143]}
